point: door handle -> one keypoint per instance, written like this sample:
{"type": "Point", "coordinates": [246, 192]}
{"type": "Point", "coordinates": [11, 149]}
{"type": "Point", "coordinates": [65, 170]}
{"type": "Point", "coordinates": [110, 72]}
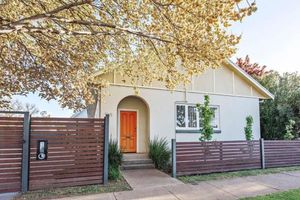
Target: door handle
{"type": "Point", "coordinates": [128, 137]}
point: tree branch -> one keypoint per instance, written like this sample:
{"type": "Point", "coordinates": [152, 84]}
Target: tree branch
{"type": "Point", "coordinates": [47, 14]}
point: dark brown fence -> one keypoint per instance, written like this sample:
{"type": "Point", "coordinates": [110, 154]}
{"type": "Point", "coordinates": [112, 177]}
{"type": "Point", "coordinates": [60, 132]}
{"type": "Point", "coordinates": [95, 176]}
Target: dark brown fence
{"type": "Point", "coordinates": [280, 153]}
{"type": "Point", "coordinates": [75, 152]}
{"type": "Point", "coordinates": [11, 130]}
{"type": "Point", "coordinates": [39, 153]}
{"type": "Point", "coordinates": [207, 157]}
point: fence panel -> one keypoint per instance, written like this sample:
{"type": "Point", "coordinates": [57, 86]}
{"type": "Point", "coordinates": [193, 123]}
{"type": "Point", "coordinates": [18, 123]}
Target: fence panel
{"type": "Point", "coordinates": [75, 152]}
{"type": "Point", "coordinates": [11, 139]}
{"type": "Point", "coordinates": [281, 153]}
{"type": "Point", "coordinates": [219, 156]}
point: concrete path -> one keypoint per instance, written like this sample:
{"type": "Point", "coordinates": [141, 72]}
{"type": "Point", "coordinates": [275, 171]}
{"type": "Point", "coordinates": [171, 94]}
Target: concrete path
{"type": "Point", "coordinates": [7, 196]}
{"type": "Point", "coordinates": [155, 185]}
{"type": "Point", "coordinates": [148, 178]}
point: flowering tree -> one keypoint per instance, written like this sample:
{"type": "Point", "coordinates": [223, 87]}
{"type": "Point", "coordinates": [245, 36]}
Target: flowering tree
{"type": "Point", "coordinates": [253, 69]}
{"type": "Point", "coordinates": [54, 46]}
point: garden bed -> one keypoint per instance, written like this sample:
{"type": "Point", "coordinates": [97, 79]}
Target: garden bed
{"type": "Point", "coordinates": [193, 179]}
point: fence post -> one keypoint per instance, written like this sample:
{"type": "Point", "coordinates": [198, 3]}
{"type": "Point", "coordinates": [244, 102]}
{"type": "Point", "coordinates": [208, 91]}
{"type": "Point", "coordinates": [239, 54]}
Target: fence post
{"type": "Point", "coordinates": [262, 153]}
{"type": "Point", "coordinates": [106, 142]}
{"type": "Point", "coordinates": [26, 152]}
{"type": "Point", "coordinates": [174, 158]}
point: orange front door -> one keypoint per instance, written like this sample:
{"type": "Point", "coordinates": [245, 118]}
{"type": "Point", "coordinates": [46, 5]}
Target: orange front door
{"type": "Point", "coordinates": [128, 131]}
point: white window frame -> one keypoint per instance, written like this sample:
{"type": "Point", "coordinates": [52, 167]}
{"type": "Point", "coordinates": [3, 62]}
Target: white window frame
{"type": "Point", "coordinates": [186, 105]}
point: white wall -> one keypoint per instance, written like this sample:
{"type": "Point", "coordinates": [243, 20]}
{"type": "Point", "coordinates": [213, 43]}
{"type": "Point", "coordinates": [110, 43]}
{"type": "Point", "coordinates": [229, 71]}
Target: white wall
{"type": "Point", "coordinates": [233, 111]}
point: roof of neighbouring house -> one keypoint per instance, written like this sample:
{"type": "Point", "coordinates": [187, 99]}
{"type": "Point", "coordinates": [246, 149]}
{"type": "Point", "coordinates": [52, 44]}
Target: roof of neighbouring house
{"type": "Point", "coordinates": [80, 114]}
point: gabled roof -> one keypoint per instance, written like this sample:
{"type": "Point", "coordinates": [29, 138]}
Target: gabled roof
{"type": "Point", "coordinates": [249, 78]}
{"type": "Point", "coordinates": [261, 89]}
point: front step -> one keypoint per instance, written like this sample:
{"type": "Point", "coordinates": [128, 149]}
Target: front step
{"type": "Point", "coordinates": [137, 166]}
{"type": "Point", "coordinates": [136, 161]}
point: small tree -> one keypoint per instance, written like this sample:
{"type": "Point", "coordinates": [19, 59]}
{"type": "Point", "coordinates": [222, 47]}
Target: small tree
{"type": "Point", "coordinates": [206, 116]}
{"type": "Point", "coordinates": [288, 135]}
{"type": "Point", "coordinates": [248, 128]}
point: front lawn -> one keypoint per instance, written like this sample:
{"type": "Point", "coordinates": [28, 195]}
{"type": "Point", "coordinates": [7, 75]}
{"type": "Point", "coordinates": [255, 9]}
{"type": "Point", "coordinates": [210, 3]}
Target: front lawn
{"type": "Point", "coordinates": [225, 175]}
{"type": "Point", "coordinates": [113, 186]}
{"type": "Point", "coordinates": [288, 195]}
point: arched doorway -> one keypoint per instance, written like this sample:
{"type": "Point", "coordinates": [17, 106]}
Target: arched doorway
{"type": "Point", "coordinates": [133, 125]}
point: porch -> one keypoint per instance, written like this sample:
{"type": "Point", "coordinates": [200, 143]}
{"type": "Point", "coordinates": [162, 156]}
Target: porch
{"type": "Point", "coordinates": [133, 126]}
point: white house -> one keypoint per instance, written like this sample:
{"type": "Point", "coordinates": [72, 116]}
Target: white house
{"type": "Point", "coordinates": [159, 112]}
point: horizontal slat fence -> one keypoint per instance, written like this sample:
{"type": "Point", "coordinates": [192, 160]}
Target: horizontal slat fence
{"type": "Point", "coordinates": [217, 156]}
{"type": "Point", "coordinates": [281, 153]}
{"type": "Point", "coordinates": [11, 138]}
{"type": "Point", "coordinates": [75, 152]}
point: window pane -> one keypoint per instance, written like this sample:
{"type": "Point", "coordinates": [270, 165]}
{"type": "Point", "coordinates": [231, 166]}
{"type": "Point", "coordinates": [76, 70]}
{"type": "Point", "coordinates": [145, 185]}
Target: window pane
{"type": "Point", "coordinates": [215, 120]}
{"type": "Point", "coordinates": [200, 120]}
{"type": "Point", "coordinates": [192, 117]}
{"type": "Point", "coordinates": [180, 119]}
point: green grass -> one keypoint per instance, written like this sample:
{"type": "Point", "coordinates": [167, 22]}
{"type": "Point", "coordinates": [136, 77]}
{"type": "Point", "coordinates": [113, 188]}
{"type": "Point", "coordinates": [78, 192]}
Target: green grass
{"type": "Point", "coordinates": [226, 175]}
{"type": "Point", "coordinates": [113, 186]}
{"type": "Point", "coordinates": [288, 195]}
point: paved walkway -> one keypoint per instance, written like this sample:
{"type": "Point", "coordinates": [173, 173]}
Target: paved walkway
{"type": "Point", "coordinates": [155, 185]}
{"type": "Point", "coordinates": [7, 196]}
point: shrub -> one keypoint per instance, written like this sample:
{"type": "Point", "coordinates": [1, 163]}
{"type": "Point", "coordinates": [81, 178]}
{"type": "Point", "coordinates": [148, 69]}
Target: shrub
{"type": "Point", "coordinates": [114, 173]}
{"type": "Point", "coordinates": [159, 153]}
{"type": "Point", "coordinates": [248, 128]}
{"type": "Point", "coordinates": [288, 135]}
{"type": "Point", "coordinates": [115, 157]}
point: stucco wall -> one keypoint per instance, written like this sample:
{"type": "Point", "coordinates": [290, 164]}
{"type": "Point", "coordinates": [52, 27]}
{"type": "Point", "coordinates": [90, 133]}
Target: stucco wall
{"type": "Point", "coordinates": [204, 82]}
{"type": "Point", "coordinates": [222, 80]}
{"type": "Point", "coordinates": [233, 111]}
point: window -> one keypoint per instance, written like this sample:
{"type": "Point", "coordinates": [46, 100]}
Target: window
{"type": "Point", "coordinates": [192, 117]}
{"type": "Point", "coordinates": [215, 121]}
{"type": "Point", "coordinates": [187, 117]}
{"type": "Point", "coordinates": [180, 116]}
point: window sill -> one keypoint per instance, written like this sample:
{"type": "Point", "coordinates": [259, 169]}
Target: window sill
{"type": "Point", "coordinates": [194, 131]}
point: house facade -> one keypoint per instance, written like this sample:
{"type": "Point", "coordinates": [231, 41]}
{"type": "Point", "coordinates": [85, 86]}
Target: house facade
{"type": "Point", "coordinates": [159, 112]}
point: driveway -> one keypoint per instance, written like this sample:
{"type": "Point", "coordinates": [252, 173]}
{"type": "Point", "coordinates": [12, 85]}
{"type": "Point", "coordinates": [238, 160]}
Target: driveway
{"type": "Point", "coordinates": [152, 184]}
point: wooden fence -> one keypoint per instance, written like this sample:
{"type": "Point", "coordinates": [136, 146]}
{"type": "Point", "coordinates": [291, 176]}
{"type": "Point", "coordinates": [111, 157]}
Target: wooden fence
{"type": "Point", "coordinates": [11, 130]}
{"type": "Point", "coordinates": [207, 157]}
{"type": "Point", "coordinates": [74, 152]}
{"type": "Point", "coordinates": [282, 153]}
{"type": "Point", "coordinates": [222, 156]}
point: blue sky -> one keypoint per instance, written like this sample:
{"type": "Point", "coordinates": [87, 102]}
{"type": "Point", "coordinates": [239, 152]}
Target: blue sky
{"type": "Point", "coordinates": [271, 37]}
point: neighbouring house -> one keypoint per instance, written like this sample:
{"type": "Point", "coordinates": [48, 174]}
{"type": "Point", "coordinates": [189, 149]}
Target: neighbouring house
{"type": "Point", "coordinates": [158, 112]}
